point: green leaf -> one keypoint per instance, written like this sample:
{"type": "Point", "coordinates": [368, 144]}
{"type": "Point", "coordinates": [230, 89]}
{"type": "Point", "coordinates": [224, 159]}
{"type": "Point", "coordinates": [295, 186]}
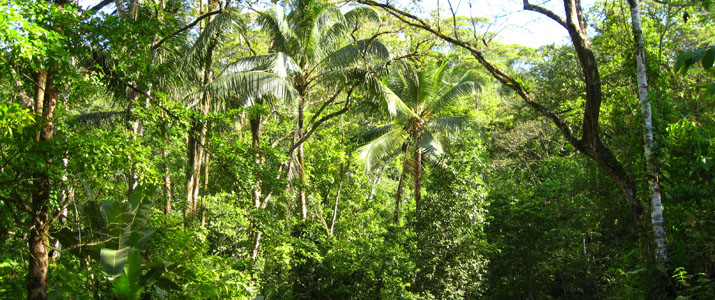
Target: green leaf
{"type": "Point", "coordinates": [682, 58]}
{"type": "Point", "coordinates": [127, 287]}
{"type": "Point", "coordinates": [154, 274]}
{"type": "Point", "coordinates": [167, 285]}
{"type": "Point", "coordinates": [113, 261]}
{"type": "Point", "coordinates": [708, 58]}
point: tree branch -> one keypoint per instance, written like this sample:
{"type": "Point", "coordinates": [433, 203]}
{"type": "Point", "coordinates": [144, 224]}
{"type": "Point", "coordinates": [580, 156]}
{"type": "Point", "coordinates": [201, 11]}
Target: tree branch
{"type": "Point", "coordinates": [182, 29]}
{"type": "Point", "coordinates": [545, 12]}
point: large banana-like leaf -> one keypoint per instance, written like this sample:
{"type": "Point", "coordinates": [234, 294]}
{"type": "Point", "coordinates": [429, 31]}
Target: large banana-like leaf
{"type": "Point", "coordinates": [127, 286]}
{"type": "Point", "coordinates": [113, 261]}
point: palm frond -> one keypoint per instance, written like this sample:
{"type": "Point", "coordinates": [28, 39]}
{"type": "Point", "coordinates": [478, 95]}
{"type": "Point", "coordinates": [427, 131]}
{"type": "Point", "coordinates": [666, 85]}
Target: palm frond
{"type": "Point", "coordinates": [350, 55]}
{"type": "Point", "coordinates": [278, 63]}
{"type": "Point", "coordinates": [250, 84]}
{"type": "Point", "coordinates": [380, 149]}
{"type": "Point", "coordinates": [208, 38]}
{"type": "Point", "coordinates": [274, 23]}
{"type": "Point", "coordinates": [361, 14]}
{"type": "Point", "coordinates": [449, 124]}
{"type": "Point", "coordinates": [430, 145]}
{"type": "Point", "coordinates": [371, 134]}
{"type": "Point", "coordinates": [461, 89]}
{"type": "Point", "coordinates": [395, 105]}
{"type": "Point", "coordinates": [99, 118]}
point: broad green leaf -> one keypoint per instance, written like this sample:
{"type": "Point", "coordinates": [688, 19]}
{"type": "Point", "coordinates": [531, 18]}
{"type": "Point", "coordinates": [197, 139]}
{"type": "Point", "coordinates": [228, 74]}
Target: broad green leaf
{"type": "Point", "coordinates": [708, 58]}
{"type": "Point", "coordinates": [113, 261]}
{"type": "Point", "coordinates": [127, 287]}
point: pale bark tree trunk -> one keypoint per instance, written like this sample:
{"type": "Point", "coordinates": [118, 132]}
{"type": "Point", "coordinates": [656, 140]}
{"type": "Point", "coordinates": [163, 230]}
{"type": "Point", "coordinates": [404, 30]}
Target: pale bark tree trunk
{"type": "Point", "coordinates": [337, 197]}
{"type": "Point", "coordinates": [656, 215]}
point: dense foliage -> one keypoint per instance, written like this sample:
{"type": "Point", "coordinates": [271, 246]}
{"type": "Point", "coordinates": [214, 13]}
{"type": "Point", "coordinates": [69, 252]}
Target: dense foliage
{"type": "Point", "coordinates": [314, 149]}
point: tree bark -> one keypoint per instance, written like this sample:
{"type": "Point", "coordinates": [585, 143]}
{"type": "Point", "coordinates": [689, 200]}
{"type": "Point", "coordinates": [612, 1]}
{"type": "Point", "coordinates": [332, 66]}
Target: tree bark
{"type": "Point", "coordinates": [590, 143]}
{"type": "Point", "coordinates": [337, 197]}
{"type": "Point", "coordinates": [656, 215]}
{"type": "Point", "coordinates": [197, 134]}
{"type": "Point", "coordinates": [400, 186]}
{"type": "Point", "coordinates": [301, 162]}
{"type": "Point", "coordinates": [418, 178]}
{"type": "Point", "coordinates": [39, 243]}
{"type": "Point", "coordinates": [167, 172]}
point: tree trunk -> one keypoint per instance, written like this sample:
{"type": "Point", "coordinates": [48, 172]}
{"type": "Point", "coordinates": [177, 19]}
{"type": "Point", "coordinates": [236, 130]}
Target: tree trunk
{"type": "Point", "coordinates": [39, 243]}
{"type": "Point", "coordinates": [418, 178]}
{"type": "Point", "coordinates": [337, 197]}
{"type": "Point", "coordinates": [256, 192]}
{"type": "Point", "coordinates": [400, 186]}
{"type": "Point", "coordinates": [167, 180]}
{"type": "Point", "coordinates": [197, 134]}
{"type": "Point", "coordinates": [301, 162]}
{"type": "Point", "coordinates": [255, 123]}
{"type": "Point", "coordinates": [656, 215]}
{"type": "Point", "coordinates": [206, 185]}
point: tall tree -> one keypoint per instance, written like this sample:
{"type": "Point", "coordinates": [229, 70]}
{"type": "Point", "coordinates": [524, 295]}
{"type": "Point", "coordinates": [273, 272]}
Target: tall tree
{"type": "Point", "coordinates": [415, 100]}
{"type": "Point", "coordinates": [590, 143]}
{"type": "Point", "coordinates": [656, 215]}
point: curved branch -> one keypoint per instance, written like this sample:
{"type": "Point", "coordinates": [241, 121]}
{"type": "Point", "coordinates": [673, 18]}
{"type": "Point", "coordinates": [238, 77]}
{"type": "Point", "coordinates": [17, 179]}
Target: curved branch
{"type": "Point", "coordinates": [182, 29]}
{"type": "Point", "coordinates": [545, 12]}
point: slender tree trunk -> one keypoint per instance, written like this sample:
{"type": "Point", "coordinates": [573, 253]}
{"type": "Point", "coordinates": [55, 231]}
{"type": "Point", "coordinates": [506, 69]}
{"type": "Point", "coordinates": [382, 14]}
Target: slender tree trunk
{"type": "Point", "coordinates": [301, 162]}
{"type": "Point", "coordinates": [255, 124]}
{"type": "Point", "coordinates": [337, 197]}
{"type": "Point", "coordinates": [206, 185]}
{"type": "Point", "coordinates": [656, 215]}
{"type": "Point", "coordinates": [256, 192]}
{"type": "Point", "coordinates": [167, 177]}
{"type": "Point", "coordinates": [190, 171]}
{"type": "Point", "coordinates": [400, 186]}
{"type": "Point", "coordinates": [198, 132]}
{"type": "Point", "coordinates": [418, 178]}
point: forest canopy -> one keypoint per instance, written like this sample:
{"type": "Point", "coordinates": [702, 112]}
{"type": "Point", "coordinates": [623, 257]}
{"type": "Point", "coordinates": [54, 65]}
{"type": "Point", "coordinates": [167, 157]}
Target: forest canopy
{"type": "Point", "coordinates": [363, 149]}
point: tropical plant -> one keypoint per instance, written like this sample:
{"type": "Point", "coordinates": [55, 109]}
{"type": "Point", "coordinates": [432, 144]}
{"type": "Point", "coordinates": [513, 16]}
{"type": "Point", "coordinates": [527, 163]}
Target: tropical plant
{"type": "Point", "coordinates": [117, 238]}
{"type": "Point", "coordinates": [315, 36]}
{"type": "Point", "coordinates": [415, 101]}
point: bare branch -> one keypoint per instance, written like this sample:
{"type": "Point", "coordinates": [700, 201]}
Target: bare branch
{"type": "Point", "coordinates": [182, 29]}
{"type": "Point", "coordinates": [545, 12]}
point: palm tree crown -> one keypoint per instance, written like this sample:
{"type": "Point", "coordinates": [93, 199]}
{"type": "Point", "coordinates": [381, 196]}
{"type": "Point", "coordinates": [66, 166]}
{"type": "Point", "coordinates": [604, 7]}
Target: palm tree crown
{"type": "Point", "coordinates": [415, 101]}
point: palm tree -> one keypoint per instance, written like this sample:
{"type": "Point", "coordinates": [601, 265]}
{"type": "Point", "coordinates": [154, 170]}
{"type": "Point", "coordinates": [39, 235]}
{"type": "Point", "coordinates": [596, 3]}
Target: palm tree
{"type": "Point", "coordinates": [314, 37]}
{"type": "Point", "coordinates": [415, 100]}
{"type": "Point", "coordinates": [234, 85]}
